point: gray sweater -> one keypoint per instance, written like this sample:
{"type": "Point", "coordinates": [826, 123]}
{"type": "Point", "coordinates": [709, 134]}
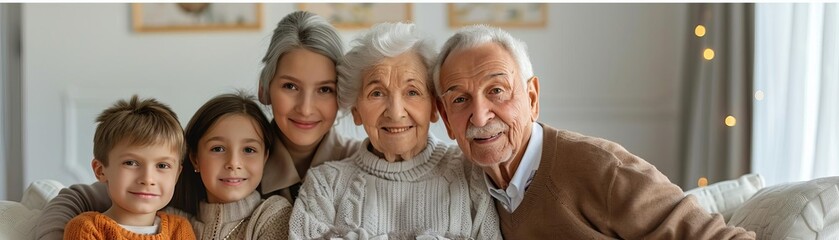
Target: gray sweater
{"type": "Point", "coordinates": [435, 194]}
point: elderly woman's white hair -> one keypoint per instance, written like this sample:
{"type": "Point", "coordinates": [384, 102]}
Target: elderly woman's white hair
{"type": "Point", "coordinates": [383, 40]}
{"type": "Point", "coordinates": [477, 35]}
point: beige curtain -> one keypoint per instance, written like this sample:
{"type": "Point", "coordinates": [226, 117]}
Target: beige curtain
{"type": "Point", "coordinates": [715, 89]}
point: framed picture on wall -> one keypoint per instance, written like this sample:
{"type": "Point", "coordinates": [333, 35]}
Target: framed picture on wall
{"type": "Point", "coordinates": [360, 15]}
{"type": "Point", "coordinates": [505, 15]}
{"type": "Point", "coordinates": [168, 17]}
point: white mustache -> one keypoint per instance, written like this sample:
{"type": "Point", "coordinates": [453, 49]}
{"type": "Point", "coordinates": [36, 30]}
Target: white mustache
{"type": "Point", "coordinates": [492, 127]}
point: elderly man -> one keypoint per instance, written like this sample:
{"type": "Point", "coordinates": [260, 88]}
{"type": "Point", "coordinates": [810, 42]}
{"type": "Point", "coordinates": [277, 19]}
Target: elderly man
{"type": "Point", "coordinates": [549, 183]}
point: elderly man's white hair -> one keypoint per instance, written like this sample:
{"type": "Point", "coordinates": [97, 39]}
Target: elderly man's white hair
{"type": "Point", "coordinates": [474, 36]}
{"type": "Point", "coordinates": [383, 40]}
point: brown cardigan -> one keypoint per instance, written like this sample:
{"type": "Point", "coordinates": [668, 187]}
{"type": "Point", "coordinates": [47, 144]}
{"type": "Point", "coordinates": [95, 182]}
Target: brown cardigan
{"type": "Point", "coordinates": [591, 188]}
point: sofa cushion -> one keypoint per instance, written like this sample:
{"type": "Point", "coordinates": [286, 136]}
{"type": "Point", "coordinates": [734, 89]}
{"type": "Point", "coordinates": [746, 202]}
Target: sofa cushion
{"type": "Point", "coordinates": [17, 219]}
{"type": "Point", "coordinates": [802, 210]}
{"type": "Point", "coordinates": [40, 192]}
{"type": "Point", "coordinates": [726, 196]}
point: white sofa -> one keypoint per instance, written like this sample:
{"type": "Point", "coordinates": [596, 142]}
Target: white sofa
{"type": "Point", "coordinates": [803, 210]}
{"type": "Point", "coordinates": [17, 219]}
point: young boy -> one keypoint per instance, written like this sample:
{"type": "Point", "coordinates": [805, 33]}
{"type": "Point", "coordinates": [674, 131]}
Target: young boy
{"type": "Point", "coordinates": [137, 149]}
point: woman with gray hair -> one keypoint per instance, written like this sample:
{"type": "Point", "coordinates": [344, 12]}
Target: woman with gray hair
{"type": "Point", "coordinates": [401, 182]}
{"type": "Point", "coordinates": [299, 83]}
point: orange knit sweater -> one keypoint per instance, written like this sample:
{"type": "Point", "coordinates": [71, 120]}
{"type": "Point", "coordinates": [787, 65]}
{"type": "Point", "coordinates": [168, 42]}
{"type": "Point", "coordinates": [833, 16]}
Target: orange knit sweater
{"type": "Point", "coordinates": [95, 225]}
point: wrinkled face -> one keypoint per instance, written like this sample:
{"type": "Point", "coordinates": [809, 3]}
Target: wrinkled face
{"type": "Point", "coordinates": [485, 105]}
{"type": "Point", "coordinates": [140, 179]}
{"type": "Point", "coordinates": [230, 158]}
{"type": "Point", "coordinates": [395, 106]}
{"type": "Point", "coordinates": [303, 97]}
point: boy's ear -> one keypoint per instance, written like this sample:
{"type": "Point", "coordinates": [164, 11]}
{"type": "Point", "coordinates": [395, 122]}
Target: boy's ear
{"type": "Point", "coordinates": [99, 170]}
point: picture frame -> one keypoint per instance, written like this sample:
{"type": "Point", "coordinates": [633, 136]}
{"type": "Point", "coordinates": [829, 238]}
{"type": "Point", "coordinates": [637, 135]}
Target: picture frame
{"type": "Point", "coordinates": [174, 17]}
{"type": "Point", "coordinates": [360, 15]}
{"type": "Point", "coordinates": [504, 15]}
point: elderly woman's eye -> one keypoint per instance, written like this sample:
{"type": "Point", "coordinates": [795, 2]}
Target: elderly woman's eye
{"type": "Point", "coordinates": [376, 94]}
{"type": "Point", "coordinates": [289, 86]}
{"type": "Point", "coordinates": [459, 100]}
{"type": "Point", "coordinates": [496, 91]}
{"type": "Point", "coordinates": [413, 93]}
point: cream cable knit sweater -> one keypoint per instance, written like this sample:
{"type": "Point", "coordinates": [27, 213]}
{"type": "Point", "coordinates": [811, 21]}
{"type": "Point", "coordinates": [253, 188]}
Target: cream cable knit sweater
{"type": "Point", "coordinates": [249, 218]}
{"type": "Point", "coordinates": [435, 194]}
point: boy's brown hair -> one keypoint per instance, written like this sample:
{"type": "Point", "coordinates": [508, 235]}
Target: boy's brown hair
{"type": "Point", "coordinates": [140, 122]}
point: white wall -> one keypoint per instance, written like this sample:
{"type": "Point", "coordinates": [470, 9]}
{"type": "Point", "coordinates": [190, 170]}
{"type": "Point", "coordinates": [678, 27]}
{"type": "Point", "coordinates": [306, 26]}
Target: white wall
{"type": "Point", "coordinates": [607, 70]}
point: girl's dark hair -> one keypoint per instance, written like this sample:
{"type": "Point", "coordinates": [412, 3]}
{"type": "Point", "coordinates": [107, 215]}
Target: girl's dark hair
{"type": "Point", "coordinates": [189, 191]}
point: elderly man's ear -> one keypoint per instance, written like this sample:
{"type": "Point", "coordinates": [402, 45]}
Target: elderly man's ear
{"type": "Point", "coordinates": [434, 116]}
{"type": "Point", "coordinates": [533, 94]}
{"type": "Point", "coordinates": [445, 118]}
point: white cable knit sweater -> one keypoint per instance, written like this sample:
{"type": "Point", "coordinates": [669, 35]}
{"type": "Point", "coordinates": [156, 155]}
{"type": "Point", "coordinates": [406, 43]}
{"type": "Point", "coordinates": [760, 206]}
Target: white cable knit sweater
{"type": "Point", "coordinates": [435, 194]}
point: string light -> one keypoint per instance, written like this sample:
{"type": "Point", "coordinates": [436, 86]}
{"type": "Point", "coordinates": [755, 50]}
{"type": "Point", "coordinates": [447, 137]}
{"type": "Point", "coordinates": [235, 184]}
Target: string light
{"type": "Point", "coordinates": [708, 54]}
{"type": "Point", "coordinates": [730, 121]}
{"type": "Point", "coordinates": [699, 30]}
{"type": "Point", "coordinates": [703, 182]}
{"type": "Point", "coordinates": [759, 95]}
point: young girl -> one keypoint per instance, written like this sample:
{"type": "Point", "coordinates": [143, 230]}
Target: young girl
{"type": "Point", "coordinates": [228, 142]}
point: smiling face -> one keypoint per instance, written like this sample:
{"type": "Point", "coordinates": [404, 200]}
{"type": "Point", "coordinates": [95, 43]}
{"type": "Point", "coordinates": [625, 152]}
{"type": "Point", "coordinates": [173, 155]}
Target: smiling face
{"type": "Point", "coordinates": [395, 106]}
{"type": "Point", "coordinates": [303, 97]}
{"type": "Point", "coordinates": [140, 179]}
{"type": "Point", "coordinates": [486, 106]}
{"type": "Point", "coordinates": [230, 158]}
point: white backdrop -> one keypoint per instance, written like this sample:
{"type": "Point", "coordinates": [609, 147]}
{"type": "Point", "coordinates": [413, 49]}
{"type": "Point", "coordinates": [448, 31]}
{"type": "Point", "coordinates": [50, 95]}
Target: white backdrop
{"type": "Point", "coordinates": [607, 70]}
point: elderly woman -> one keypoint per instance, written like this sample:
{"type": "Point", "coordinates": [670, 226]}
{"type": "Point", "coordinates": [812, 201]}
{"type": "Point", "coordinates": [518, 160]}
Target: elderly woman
{"type": "Point", "coordinates": [403, 183]}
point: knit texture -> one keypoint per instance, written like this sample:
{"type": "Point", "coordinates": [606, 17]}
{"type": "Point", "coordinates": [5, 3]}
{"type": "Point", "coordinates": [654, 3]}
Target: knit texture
{"type": "Point", "coordinates": [69, 203]}
{"type": "Point", "coordinates": [364, 196]}
{"type": "Point", "coordinates": [281, 174]}
{"type": "Point", "coordinates": [591, 188]}
{"type": "Point", "coordinates": [95, 225]}
{"type": "Point", "coordinates": [249, 218]}
{"type": "Point", "coordinates": [279, 177]}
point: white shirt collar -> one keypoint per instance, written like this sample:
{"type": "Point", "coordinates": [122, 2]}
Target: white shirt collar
{"type": "Point", "coordinates": [144, 230]}
{"type": "Point", "coordinates": [514, 194]}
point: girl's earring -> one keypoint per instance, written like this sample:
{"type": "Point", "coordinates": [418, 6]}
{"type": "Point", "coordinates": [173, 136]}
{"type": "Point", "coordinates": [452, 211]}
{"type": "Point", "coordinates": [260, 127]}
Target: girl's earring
{"type": "Point", "coordinates": [196, 170]}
